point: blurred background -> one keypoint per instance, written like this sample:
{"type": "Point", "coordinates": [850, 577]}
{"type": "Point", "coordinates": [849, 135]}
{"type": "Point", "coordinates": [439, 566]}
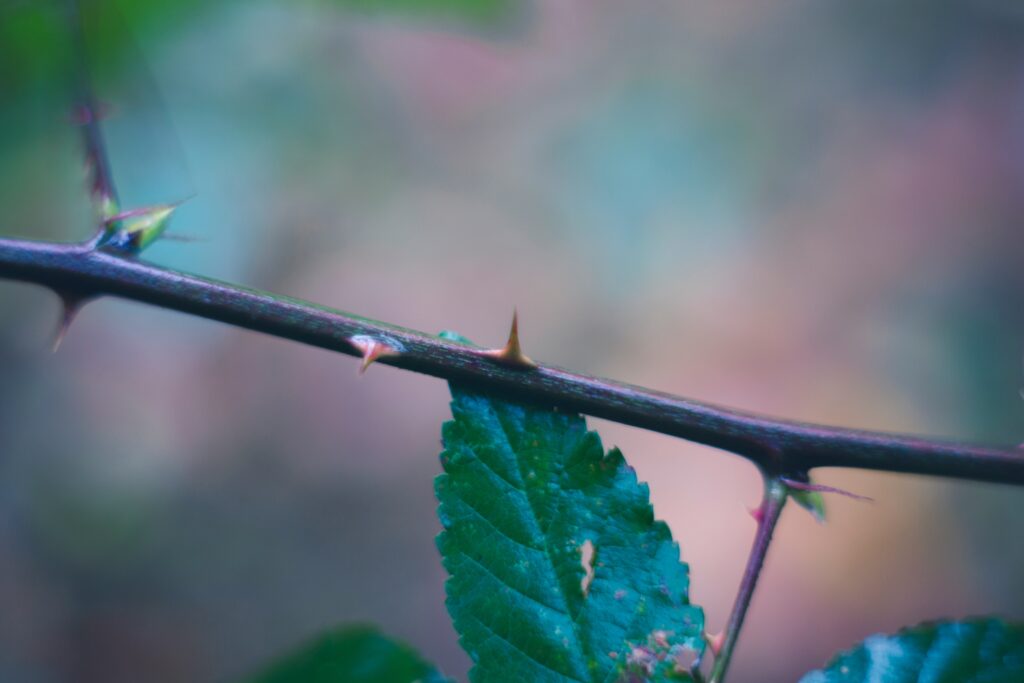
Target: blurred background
{"type": "Point", "coordinates": [809, 209]}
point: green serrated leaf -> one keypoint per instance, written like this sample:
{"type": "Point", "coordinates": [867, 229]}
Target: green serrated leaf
{"type": "Point", "coordinates": [973, 651]}
{"type": "Point", "coordinates": [358, 654]}
{"type": "Point", "coordinates": [558, 569]}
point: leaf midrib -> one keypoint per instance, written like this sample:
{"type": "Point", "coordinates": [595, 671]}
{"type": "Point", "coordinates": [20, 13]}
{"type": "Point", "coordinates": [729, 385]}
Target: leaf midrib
{"type": "Point", "coordinates": [580, 642]}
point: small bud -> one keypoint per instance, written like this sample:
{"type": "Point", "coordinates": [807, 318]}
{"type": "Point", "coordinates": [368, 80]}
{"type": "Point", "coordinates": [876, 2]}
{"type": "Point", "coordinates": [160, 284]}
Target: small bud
{"type": "Point", "coordinates": [822, 488]}
{"type": "Point", "coordinates": [512, 353]}
{"type": "Point", "coordinates": [373, 349]}
{"type": "Point", "coordinates": [134, 230]}
{"type": "Point", "coordinates": [812, 501]}
{"type": "Point", "coordinates": [808, 495]}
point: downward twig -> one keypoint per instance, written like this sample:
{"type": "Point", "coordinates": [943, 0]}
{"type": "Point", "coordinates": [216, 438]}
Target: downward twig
{"type": "Point", "coordinates": [100, 178]}
{"type": "Point", "coordinates": [767, 516]}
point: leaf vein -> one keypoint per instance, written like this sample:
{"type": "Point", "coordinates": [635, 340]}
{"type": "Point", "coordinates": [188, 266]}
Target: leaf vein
{"type": "Point", "coordinates": [579, 637]}
{"type": "Point", "coordinates": [497, 529]}
{"type": "Point", "coordinates": [546, 667]}
{"type": "Point", "coordinates": [517, 590]}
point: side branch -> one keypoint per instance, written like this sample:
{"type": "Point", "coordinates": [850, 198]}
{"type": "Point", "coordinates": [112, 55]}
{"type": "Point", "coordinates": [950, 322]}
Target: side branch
{"type": "Point", "coordinates": [767, 516]}
{"type": "Point", "coordinates": [87, 114]}
{"type": "Point", "coordinates": [778, 446]}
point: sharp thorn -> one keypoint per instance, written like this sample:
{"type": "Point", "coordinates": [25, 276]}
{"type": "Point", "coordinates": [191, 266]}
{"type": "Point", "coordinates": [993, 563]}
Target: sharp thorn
{"type": "Point", "coordinates": [715, 641]}
{"type": "Point", "coordinates": [757, 513]}
{"type": "Point", "coordinates": [821, 488]}
{"type": "Point", "coordinates": [512, 353]}
{"type": "Point", "coordinates": [371, 350]}
{"type": "Point", "coordinates": [83, 115]}
{"type": "Point", "coordinates": [70, 306]}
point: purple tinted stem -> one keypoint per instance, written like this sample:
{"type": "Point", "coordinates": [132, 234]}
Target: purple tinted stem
{"type": "Point", "coordinates": [774, 500]}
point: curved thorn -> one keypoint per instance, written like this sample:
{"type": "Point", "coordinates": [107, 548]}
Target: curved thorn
{"type": "Point", "coordinates": [714, 641]}
{"type": "Point", "coordinates": [372, 350]}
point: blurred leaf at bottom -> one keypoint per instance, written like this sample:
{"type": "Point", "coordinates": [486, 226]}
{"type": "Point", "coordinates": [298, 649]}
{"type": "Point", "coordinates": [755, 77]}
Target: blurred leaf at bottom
{"type": "Point", "coordinates": [985, 650]}
{"type": "Point", "coordinates": [357, 654]}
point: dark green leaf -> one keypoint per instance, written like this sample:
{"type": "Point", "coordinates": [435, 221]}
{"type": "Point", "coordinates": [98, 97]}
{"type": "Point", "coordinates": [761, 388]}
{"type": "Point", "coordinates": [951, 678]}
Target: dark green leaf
{"type": "Point", "coordinates": [473, 11]}
{"type": "Point", "coordinates": [37, 44]}
{"type": "Point", "coordinates": [559, 571]}
{"type": "Point", "coordinates": [974, 651]}
{"type": "Point", "coordinates": [352, 655]}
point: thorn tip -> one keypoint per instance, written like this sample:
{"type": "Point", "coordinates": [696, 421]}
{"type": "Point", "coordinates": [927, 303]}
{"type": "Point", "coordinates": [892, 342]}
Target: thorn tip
{"type": "Point", "coordinates": [821, 488]}
{"type": "Point", "coordinates": [373, 349]}
{"type": "Point", "coordinates": [70, 306]}
{"type": "Point", "coordinates": [715, 641]}
{"type": "Point", "coordinates": [512, 353]}
{"type": "Point", "coordinates": [757, 513]}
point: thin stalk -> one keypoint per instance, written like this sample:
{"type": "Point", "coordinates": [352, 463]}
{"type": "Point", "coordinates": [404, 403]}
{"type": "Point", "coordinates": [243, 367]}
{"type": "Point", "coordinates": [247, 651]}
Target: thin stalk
{"type": "Point", "coordinates": [102, 190]}
{"type": "Point", "coordinates": [81, 271]}
{"type": "Point", "coordinates": [767, 515]}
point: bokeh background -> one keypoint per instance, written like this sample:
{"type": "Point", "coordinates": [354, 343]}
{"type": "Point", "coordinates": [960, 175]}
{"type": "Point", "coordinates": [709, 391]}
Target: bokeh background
{"type": "Point", "coordinates": [813, 209]}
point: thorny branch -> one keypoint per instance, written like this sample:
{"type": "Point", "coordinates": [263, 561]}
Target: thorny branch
{"type": "Point", "coordinates": [780, 447]}
{"type": "Point", "coordinates": [784, 451]}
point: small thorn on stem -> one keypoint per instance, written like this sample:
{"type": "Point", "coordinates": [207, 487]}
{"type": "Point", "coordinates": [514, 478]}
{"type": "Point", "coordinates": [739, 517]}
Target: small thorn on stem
{"type": "Point", "coordinates": [372, 350]}
{"type": "Point", "coordinates": [84, 115]}
{"type": "Point", "coordinates": [757, 513]}
{"type": "Point", "coordinates": [512, 353]}
{"type": "Point", "coordinates": [821, 488]}
{"type": "Point", "coordinates": [715, 641]}
{"type": "Point", "coordinates": [70, 306]}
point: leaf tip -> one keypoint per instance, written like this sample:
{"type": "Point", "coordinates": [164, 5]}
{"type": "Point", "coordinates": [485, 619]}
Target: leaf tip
{"type": "Point", "coordinates": [587, 553]}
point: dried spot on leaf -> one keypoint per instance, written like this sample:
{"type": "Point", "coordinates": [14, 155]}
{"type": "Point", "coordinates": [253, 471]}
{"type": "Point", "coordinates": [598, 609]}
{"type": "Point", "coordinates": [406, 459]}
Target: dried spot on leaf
{"type": "Point", "coordinates": [587, 561]}
{"type": "Point", "coordinates": [661, 658]}
{"type": "Point", "coordinates": [536, 561]}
